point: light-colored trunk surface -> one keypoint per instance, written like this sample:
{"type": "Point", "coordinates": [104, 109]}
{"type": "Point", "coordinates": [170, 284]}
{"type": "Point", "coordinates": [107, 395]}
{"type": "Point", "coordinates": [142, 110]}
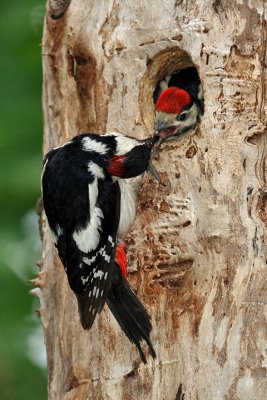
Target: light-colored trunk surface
{"type": "Point", "coordinates": [196, 253]}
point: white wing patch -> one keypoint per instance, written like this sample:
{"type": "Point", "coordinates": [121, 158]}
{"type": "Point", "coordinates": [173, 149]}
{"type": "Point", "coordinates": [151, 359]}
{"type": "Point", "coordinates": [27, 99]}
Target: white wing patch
{"type": "Point", "coordinates": [96, 170]}
{"type": "Point", "coordinates": [87, 239]}
{"type": "Point", "coordinates": [84, 280]}
{"type": "Point", "coordinates": [92, 145]}
{"type": "Point", "coordinates": [111, 241]}
{"type": "Point", "coordinates": [89, 261]}
{"type": "Point", "coordinates": [99, 274]}
{"type": "Point", "coordinates": [103, 253]}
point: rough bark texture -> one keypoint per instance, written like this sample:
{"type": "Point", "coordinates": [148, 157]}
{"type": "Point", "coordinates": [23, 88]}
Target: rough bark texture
{"type": "Point", "coordinates": [197, 256]}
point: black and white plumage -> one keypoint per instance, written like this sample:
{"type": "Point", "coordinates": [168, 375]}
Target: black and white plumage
{"type": "Point", "coordinates": [89, 206]}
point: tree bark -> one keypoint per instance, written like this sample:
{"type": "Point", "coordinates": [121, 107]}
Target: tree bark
{"type": "Point", "coordinates": [197, 251]}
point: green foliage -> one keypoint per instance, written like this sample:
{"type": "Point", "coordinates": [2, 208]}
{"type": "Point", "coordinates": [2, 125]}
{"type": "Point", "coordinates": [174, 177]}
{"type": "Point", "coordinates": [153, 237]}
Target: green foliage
{"type": "Point", "coordinates": [20, 161]}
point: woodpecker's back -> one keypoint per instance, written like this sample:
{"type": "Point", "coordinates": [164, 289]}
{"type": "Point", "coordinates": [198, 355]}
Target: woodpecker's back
{"type": "Point", "coordinates": [82, 202]}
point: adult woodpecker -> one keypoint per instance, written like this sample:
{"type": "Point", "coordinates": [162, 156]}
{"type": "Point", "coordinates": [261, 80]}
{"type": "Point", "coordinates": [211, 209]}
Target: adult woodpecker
{"type": "Point", "coordinates": [179, 103]}
{"type": "Point", "coordinates": [89, 207]}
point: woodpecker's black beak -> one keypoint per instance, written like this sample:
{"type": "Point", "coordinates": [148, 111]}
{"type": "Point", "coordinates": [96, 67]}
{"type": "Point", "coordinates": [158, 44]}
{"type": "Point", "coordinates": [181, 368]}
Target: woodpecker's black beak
{"type": "Point", "coordinates": [151, 141]}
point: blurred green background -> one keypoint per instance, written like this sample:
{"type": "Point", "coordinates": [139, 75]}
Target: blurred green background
{"type": "Point", "coordinates": [22, 355]}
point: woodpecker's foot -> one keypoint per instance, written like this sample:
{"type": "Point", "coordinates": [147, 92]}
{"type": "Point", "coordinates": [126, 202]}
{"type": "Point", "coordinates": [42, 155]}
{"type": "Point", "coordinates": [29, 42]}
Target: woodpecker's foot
{"type": "Point", "coordinates": [120, 258]}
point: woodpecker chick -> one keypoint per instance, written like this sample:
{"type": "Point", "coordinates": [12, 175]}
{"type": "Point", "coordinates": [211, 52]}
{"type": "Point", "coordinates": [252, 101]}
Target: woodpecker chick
{"type": "Point", "coordinates": [89, 207]}
{"type": "Point", "coordinates": [176, 113]}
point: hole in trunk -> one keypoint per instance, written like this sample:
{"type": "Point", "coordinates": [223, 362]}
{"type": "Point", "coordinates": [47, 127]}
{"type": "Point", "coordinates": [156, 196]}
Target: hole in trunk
{"type": "Point", "coordinates": [172, 81]}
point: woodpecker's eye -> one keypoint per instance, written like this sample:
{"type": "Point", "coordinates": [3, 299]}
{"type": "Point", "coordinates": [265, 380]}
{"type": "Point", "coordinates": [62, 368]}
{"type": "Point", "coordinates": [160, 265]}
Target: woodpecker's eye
{"type": "Point", "coordinates": [181, 117]}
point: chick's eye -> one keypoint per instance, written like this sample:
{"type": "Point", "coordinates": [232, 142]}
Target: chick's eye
{"type": "Point", "coordinates": [182, 117]}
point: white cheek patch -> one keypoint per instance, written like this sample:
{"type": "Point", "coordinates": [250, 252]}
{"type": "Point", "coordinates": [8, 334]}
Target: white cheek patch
{"type": "Point", "coordinates": [192, 118]}
{"type": "Point", "coordinates": [87, 239]}
{"type": "Point", "coordinates": [125, 144]}
{"type": "Point", "coordinates": [170, 119]}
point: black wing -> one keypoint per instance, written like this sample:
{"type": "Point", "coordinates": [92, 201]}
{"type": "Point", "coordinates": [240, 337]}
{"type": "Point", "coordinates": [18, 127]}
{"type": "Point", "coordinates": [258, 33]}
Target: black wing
{"type": "Point", "coordinates": [86, 243]}
{"type": "Point", "coordinates": [94, 294]}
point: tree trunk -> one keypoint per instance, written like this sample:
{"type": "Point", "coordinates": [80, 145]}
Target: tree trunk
{"type": "Point", "coordinates": [196, 253]}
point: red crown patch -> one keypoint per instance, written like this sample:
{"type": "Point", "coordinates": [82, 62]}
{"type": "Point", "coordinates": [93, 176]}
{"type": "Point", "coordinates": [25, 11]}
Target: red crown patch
{"type": "Point", "coordinates": [172, 100]}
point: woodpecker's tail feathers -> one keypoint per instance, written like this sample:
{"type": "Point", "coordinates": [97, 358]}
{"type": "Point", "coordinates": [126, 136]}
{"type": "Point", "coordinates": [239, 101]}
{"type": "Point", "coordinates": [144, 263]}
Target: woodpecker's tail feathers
{"type": "Point", "coordinates": [129, 313]}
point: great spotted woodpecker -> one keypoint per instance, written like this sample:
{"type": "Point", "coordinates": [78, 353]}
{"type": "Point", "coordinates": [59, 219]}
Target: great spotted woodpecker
{"type": "Point", "coordinates": [89, 207]}
{"type": "Point", "coordinates": [179, 103]}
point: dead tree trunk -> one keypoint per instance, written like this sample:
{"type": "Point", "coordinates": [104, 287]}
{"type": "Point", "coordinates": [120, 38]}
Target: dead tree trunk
{"type": "Point", "coordinates": [197, 256]}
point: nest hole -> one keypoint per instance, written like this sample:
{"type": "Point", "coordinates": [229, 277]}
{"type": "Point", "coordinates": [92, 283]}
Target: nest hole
{"type": "Point", "coordinates": [170, 68]}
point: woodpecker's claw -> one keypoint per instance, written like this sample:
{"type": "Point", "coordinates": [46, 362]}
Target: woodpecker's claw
{"type": "Point", "coordinates": [152, 171]}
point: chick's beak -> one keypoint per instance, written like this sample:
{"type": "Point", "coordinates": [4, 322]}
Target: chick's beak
{"type": "Point", "coordinates": [164, 131]}
{"type": "Point", "coordinates": [160, 125]}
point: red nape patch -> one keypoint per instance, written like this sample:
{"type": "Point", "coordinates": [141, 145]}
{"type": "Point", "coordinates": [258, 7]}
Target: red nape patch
{"type": "Point", "coordinates": [116, 167]}
{"type": "Point", "coordinates": [172, 100]}
{"type": "Point", "coordinates": [120, 258]}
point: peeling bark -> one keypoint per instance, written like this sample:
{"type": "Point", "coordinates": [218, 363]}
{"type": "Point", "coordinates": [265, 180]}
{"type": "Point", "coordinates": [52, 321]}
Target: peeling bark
{"type": "Point", "coordinates": [197, 252]}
